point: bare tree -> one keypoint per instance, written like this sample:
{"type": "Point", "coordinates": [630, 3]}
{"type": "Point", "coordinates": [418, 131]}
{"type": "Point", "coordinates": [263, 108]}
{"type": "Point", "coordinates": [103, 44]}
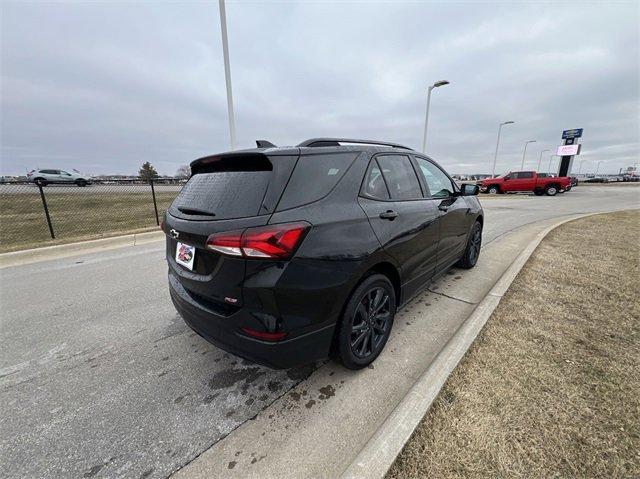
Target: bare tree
{"type": "Point", "coordinates": [184, 172]}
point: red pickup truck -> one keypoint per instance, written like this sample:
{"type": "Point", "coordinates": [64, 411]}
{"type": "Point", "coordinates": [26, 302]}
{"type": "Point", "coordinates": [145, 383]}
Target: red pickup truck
{"type": "Point", "coordinates": [526, 181]}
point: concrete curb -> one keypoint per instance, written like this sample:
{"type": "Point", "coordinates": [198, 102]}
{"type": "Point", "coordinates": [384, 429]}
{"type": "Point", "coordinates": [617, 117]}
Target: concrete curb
{"type": "Point", "coordinates": [378, 455]}
{"type": "Point", "coordinates": [19, 258]}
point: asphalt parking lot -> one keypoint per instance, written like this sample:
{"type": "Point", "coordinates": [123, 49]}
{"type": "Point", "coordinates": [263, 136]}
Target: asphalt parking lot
{"type": "Point", "coordinates": [100, 377]}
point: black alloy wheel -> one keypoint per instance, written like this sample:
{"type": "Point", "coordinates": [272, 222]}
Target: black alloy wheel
{"type": "Point", "coordinates": [366, 322]}
{"type": "Point", "coordinates": [472, 251]}
{"type": "Point", "coordinates": [370, 322]}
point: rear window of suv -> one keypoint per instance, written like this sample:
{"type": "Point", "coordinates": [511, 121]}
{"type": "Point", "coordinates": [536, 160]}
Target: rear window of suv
{"type": "Point", "coordinates": [314, 177]}
{"type": "Point", "coordinates": [223, 195]}
{"type": "Point", "coordinates": [226, 188]}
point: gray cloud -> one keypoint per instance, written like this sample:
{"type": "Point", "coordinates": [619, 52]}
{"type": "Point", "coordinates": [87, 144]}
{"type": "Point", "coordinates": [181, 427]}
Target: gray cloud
{"type": "Point", "coordinates": [102, 87]}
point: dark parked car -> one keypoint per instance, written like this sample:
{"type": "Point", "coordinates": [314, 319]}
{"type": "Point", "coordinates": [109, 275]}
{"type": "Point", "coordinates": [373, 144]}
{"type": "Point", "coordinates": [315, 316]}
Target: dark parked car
{"type": "Point", "coordinates": [288, 255]}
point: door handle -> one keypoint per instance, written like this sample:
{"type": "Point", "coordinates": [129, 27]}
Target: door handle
{"type": "Point", "coordinates": [389, 215]}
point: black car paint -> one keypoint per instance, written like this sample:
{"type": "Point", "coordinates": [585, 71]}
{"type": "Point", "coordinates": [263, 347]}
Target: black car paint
{"type": "Point", "coordinates": [305, 295]}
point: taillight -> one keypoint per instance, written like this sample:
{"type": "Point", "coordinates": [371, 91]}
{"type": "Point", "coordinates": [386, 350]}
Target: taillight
{"type": "Point", "coordinates": [263, 335]}
{"type": "Point", "coordinates": [273, 241]}
{"type": "Point", "coordinates": [226, 243]}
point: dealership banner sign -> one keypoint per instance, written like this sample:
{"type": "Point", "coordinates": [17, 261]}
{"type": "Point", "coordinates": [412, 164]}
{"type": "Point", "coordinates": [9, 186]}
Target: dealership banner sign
{"type": "Point", "coordinates": [568, 150]}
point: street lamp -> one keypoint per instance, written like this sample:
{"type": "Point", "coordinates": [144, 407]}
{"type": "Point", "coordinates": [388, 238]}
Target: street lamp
{"type": "Point", "coordinates": [580, 167]}
{"type": "Point", "coordinates": [227, 74]}
{"type": "Point", "coordinates": [550, 160]}
{"type": "Point", "coordinates": [495, 157]}
{"type": "Point", "coordinates": [525, 152]}
{"type": "Point", "coordinates": [540, 159]}
{"type": "Point", "coordinates": [597, 168]}
{"type": "Point", "coordinates": [426, 118]}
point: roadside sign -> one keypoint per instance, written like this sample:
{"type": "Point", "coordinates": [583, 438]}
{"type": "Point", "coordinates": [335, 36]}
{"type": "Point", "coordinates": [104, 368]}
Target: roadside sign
{"type": "Point", "coordinates": [575, 133]}
{"type": "Point", "coordinates": [568, 150]}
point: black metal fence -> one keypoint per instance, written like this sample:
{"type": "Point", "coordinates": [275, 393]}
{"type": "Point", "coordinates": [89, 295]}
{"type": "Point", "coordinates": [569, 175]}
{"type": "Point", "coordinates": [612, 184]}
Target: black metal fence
{"type": "Point", "coordinates": [32, 215]}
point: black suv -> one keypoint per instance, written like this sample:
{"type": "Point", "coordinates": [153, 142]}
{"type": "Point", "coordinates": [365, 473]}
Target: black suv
{"type": "Point", "coordinates": [288, 255]}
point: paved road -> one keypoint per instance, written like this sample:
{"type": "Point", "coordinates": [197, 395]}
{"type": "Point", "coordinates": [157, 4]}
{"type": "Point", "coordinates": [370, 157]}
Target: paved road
{"type": "Point", "coordinates": [99, 376]}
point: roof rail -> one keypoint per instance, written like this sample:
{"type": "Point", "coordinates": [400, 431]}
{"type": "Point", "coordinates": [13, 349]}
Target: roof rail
{"type": "Point", "coordinates": [318, 142]}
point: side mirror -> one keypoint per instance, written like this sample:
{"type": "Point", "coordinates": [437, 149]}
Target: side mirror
{"type": "Point", "coordinates": [470, 190]}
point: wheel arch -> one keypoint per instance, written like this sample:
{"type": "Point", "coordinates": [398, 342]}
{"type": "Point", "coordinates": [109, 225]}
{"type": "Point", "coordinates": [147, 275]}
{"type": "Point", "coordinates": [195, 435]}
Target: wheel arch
{"type": "Point", "coordinates": [390, 271]}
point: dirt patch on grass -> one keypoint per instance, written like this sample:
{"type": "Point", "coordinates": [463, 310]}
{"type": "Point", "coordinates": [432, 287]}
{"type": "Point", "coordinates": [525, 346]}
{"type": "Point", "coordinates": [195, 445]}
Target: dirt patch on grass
{"type": "Point", "coordinates": [551, 386]}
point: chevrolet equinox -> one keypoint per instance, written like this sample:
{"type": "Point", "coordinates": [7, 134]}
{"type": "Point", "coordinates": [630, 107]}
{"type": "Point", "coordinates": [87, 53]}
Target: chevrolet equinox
{"type": "Point", "coordinates": [288, 255]}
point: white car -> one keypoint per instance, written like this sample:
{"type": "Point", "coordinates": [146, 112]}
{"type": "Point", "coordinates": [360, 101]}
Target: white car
{"type": "Point", "coordinates": [46, 177]}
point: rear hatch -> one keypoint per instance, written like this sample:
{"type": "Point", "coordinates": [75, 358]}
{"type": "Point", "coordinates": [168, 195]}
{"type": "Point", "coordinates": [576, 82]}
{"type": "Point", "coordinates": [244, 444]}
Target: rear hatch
{"type": "Point", "coordinates": [226, 193]}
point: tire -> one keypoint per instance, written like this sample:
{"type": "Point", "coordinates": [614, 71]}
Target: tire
{"type": "Point", "coordinates": [40, 182]}
{"type": "Point", "coordinates": [81, 183]}
{"type": "Point", "coordinates": [361, 337]}
{"type": "Point", "coordinates": [472, 251]}
{"type": "Point", "coordinates": [538, 192]}
{"type": "Point", "coordinates": [493, 190]}
{"type": "Point", "coordinates": [551, 190]}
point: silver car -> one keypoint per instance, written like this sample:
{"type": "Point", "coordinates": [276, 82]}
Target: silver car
{"type": "Point", "coordinates": [46, 177]}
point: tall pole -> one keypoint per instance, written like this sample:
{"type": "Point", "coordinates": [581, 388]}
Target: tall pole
{"type": "Point", "coordinates": [227, 74]}
{"type": "Point", "coordinates": [426, 121]}
{"type": "Point", "coordinates": [580, 167]}
{"type": "Point", "coordinates": [525, 152]}
{"type": "Point", "coordinates": [426, 116]}
{"type": "Point", "coordinates": [597, 167]}
{"type": "Point", "coordinates": [549, 169]}
{"type": "Point", "coordinates": [495, 156]}
{"type": "Point", "coordinates": [540, 159]}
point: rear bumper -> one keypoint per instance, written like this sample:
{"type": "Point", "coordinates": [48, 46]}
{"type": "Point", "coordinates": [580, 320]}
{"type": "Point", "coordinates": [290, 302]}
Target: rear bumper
{"type": "Point", "coordinates": [225, 332]}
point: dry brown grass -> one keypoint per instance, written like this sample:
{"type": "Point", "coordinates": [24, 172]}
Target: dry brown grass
{"type": "Point", "coordinates": [551, 387]}
{"type": "Point", "coordinates": [91, 214]}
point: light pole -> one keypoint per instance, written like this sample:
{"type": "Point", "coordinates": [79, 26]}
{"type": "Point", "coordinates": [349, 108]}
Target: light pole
{"type": "Point", "coordinates": [597, 168]}
{"type": "Point", "coordinates": [550, 160]}
{"type": "Point", "coordinates": [540, 159]}
{"type": "Point", "coordinates": [495, 157]}
{"type": "Point", "coordinates": [426, 118]}
{"type": "Point", "coordinates": [525, 152]}
{"type": "Point", "coordinates": [227, 74]}
{"type": "Point", "coordinates": [580, 167]}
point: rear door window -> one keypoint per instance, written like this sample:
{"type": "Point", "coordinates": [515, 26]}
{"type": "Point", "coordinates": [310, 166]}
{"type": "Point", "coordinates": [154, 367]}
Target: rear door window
{"type": "Point", "coordinates": [374, 185]}
{"type": "Point", "coordinates": [400, 177]}
{"type": "Point", "coordinates": [525, 175]}
{"type": "Point", "coordinates": [314, 177]}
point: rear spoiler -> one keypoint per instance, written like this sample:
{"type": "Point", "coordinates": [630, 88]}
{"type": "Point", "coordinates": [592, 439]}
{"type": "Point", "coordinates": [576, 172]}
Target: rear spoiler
{"type": "Point", "coordinates": [234, 161]}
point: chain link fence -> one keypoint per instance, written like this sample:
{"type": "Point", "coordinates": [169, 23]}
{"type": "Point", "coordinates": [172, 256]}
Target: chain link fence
{"type": "Point", "coordinates": [32, 215]}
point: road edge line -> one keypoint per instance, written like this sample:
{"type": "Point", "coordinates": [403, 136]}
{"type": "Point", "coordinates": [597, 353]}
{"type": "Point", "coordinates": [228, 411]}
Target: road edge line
{"type": "Point", "coordinates": [46, 253]}
{"type": "Point", "coordinates": [379, 453]}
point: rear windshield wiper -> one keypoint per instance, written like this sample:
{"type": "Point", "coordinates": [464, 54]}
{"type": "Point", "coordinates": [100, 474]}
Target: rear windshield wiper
{"type": "Point", "coordinates": [195, 211]}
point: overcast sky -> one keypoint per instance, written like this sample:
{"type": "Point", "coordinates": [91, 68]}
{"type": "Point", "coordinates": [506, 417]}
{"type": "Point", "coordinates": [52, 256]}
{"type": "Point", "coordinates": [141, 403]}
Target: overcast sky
{"type": "Point", "coordinates": [103, 87]}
